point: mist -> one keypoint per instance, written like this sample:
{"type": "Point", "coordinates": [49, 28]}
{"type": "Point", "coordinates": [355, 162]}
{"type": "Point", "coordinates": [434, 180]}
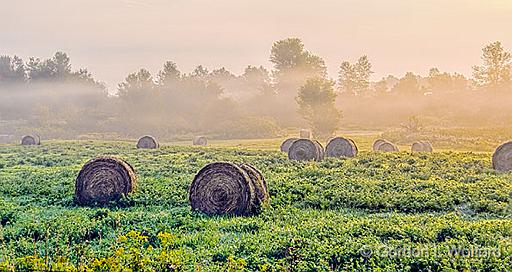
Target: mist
{"type": "Point", "coordinates": [234, 69]}
{"type": "Point", "coordinates": [114, 38]}
{"type": "Point", "coordinates": [50, 97]}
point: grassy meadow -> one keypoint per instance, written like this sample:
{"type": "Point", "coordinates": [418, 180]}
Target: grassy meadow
{"type": "Point", "coordinates": [445, 211]}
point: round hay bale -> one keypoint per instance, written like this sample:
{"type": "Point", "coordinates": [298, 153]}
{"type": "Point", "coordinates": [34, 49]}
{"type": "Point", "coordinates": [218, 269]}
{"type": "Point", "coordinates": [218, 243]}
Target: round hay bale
{"type": "Point", "coordinates": [31, 140]}
{"type": "Point", "coordinates": [387, 147]}
{"type": "Point", "coordinates": [147, 142]}
{"type": "Point", "coordinates": [341, 147]}
{"type": "Point", "coordinates": [285, 146]}
{"type": "Point", "coordinates": [305, 150]}
{"type": "Point", "coordinates": [502, 158]}
{"type": "Point", "coordinates": [428, 146]}
{"type": "Point", "coordinates": [222, 188]}
{"type": "Point", "coordinates": [259, 185]}
{"type": "Point", "coordinates": [305, 134]}
{"type": "Point", "coordinates": [357, 149]}
{"type": "Point", "coordinates": [200, 140]}
{"type": "Point", "coordinates": [377, 143]}
{"type": "Point", "coordinates": [422, 146]}
{"type": "Point", "coordinates": [321, 150]}
{"type": "Point", "coordinates": [104, 179]}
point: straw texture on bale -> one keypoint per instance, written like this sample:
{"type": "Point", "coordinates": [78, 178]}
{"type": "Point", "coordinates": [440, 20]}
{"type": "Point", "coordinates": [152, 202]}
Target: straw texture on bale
{"type": "Point", "coordinates": [103, 180]}
{"type": "Point", "coordinates": [306, 150]}
{"type": "Point", "coordinates": [200, 140]}
{"type": "Point", "coordinates": [502, 158]}
{"type": "Point", "coordinates": [387, 147]}
{"type": "Point", "coordinates": [260, 187]}
{"type": "Point", "coordinates": [30, 140]}
{"type": "Point", "coordinates": [422, 146]}
{"type": "Point", "coordinates": [285, 146]}
{"type": "Point", "coordinates": [147, 142]}
{"type": "Point", "coordinates": [321, 150]}
{"type": "Point", "coordinates": [226, 188]}
{"type": "Point", "coordinates": [357, 149]}
{"type": "Point", "coordinates": [305, 134]}
{"type": "Point", "coordinates": [377, 143]}
{"type": "Point", "coordinates": [341, 147]}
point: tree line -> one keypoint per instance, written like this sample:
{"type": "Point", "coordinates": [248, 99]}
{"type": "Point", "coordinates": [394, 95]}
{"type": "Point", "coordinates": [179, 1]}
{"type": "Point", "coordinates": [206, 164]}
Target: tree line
{"type": "Point", "coordinates": [48, 95]}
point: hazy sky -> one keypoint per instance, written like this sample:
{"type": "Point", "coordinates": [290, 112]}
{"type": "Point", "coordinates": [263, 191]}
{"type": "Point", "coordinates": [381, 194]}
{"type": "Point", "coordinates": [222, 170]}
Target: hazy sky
{"type": "Point", "coordinates": [115, 37]}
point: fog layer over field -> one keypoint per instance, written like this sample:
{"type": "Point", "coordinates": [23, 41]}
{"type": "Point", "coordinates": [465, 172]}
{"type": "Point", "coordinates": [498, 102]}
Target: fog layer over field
{"type": "Point", "coordinates": [51, 97]}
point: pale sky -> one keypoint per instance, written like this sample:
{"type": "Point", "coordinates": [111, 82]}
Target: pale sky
{"type": "Point", "coordinates": [115, 37]}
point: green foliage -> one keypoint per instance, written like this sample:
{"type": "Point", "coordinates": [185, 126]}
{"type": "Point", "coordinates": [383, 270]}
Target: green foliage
{"type": "Point", "coordinates": [321, 216]}
{"type": "Point", "coordinates": [496, 72]}
{"type": "Point", "coordinates": [316, 104]}
{"type": "Point", "coordinates": [470, 139]}
{"type": "Point", "coordinates": [408, 86]}
{"type": "Point", "coordinates": [355, 78]}
{"type": "Point", "coordinates": [12, 70]}
{"type": "Point", "coordinates": [439, 82]}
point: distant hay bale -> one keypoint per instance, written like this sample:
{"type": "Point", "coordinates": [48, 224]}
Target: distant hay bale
{"type": "Point", "coordinates": [226, 188]}
{"type": "Point", "coordinates": [285, 146]}
{"type": "Point", "coordinates": [377, 143]}
{"type": "Point", "coordinates": [341, 147]}
{"type": "Point", "coordinates": [306, 150]}
{"type": "Point", "coordinates": [147, 142]}
{"type": "Point", "coordinates": [357, 149]}
{"type": "Point", "coordinates": [428, 146]}
{"type": "Point", "coordinates": [104, 179]}
{"type": "Point", "coordinates": [31, 140]}
{"type": "Point", "coordinates": [200, 140]}
{"type": "Point", "coordinates": [502, 158]}
{"type": "Point", "coordinates": [422, 146]}
{"type": "Point", "coordinates": [305, 134]}
{"type": "Point", "coordinates": [387, 147]}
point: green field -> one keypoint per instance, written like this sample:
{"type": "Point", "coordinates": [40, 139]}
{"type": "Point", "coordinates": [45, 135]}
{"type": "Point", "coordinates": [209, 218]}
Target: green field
{"type": "Point", "coordinates": [444, 211]}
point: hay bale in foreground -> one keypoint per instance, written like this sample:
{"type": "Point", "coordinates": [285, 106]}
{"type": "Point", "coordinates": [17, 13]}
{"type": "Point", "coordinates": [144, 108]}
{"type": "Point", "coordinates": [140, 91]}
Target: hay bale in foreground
{"type": "Point", "coordinates": [305, 134]}
{"type": "Point", "coordinates": [341, 147]}
{"type": "Point", "coordinates": [285, 146]}
{"type": "Point", "coordinates": [147, 142]}
{"type": "Point", "coordinates": [422, 146]}
{"type": "Point", "coordinates": [387, 147]}
{"type": "Point", "coordinates": [502, 158]}
{"type": "Point", "coordinates": [321, 150]}
{"type": "Point", "coordinates": [260, 187]}
{"type": "Point", "coordinates": [226, 188]}
{"type": "Point", "coordinates": [306, 150]}
{"type": "Point", "coordinates": [31, 140]}
{"type": "Point", "coordinates": [104, 179]}
{"type": "Point", "coordinates": [200, 140]}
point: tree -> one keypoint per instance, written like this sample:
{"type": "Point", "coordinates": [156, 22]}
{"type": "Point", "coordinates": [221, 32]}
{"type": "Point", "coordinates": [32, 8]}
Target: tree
{"type": "Point", "coordinates": [136, 86]}
{"type": "Point", "coordinates": [294, 65]}
{"type": "Point", "coordinates": [61, 65]}
{"type": "Point", "coordinates": [83, 76]}
{"type": "Point", "coordinates": [316, 104]}
{"type": "Point", "coordinates": [56, 68]}
{"type": "Point", "coordinates": [408, 85]}
{"type": "Point", "coordinates": [223, 77]}
{"type": "Point", "coordinates": [12, 70]}
{"type": "Point", "coordinates": [381, 87]}
{"type": "Point", "coordinates": [355, 78]}
{"type": "Point", "coordinates": [256, 78]}
{"type": "Point", "coordinates": [495, 73]}
{"type": "Point", "coordinates": [445, 82]}
{"type": "Point", "coordinates": [169, 75]}
{"type": "Point", "coordinates": [200, 72]}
